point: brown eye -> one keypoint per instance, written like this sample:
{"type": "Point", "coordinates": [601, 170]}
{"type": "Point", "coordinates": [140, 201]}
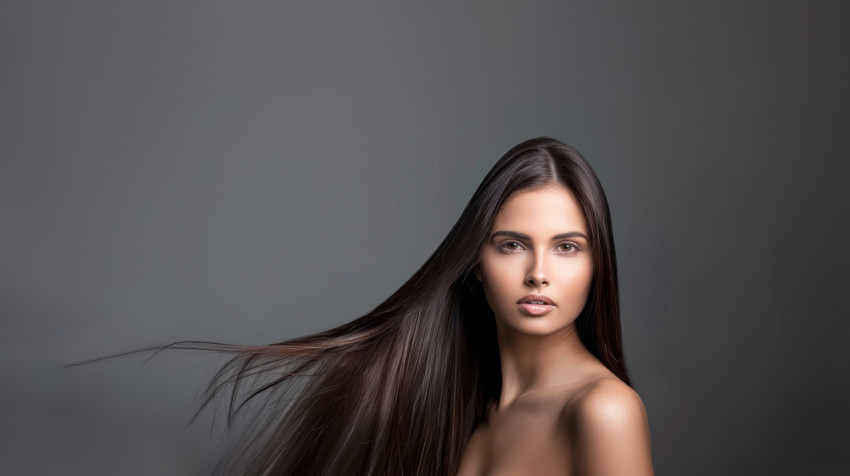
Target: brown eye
{"type": "Point", "coordinates": [568, 247]}
{"type": "Point", "coordinates": [510, 246]}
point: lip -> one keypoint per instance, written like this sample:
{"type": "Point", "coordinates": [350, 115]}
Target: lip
{"type": "Point", "coordinates": [526, 307]}
{"type": "Point", "coordinates": [536, 297]}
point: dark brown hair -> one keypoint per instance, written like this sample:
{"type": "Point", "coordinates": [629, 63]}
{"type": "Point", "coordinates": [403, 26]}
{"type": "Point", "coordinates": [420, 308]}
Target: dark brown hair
{"type": "Point", "coordinates": [401, 389]}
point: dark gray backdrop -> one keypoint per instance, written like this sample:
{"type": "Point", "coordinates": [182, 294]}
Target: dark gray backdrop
{"type": "Point", "coordinates": [255, 171]}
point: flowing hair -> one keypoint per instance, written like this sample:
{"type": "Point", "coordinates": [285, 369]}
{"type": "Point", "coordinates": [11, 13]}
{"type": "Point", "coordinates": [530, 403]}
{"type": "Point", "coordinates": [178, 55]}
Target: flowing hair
{"type": "Point", "coordinates": [401, 389]}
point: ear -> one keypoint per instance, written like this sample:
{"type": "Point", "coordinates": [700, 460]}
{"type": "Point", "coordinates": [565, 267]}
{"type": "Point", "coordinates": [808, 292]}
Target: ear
{"type": "Point", "coordinates": [477, 271]}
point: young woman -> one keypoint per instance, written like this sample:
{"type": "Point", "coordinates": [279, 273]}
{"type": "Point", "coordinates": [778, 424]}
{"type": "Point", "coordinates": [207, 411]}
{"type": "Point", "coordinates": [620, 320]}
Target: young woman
{"type": "Point", "coordinates": [500, 356]}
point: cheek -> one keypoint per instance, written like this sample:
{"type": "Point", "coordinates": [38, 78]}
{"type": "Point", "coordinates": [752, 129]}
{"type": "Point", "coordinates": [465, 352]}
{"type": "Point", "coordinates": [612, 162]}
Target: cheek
{"type": "Point", "coordinates": [576, 282]}
{"type": "Point", "coordinates": [497, 283]}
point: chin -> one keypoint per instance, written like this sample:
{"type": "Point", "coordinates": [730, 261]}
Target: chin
{"type": "Point", "coordinates": [538, 326]}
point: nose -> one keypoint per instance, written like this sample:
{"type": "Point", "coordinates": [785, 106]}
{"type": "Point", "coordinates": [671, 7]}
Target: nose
{"type": "Point", "coordinates": [536, 276]}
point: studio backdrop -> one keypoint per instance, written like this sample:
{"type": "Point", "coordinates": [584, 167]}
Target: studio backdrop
{"type": "Point", "coordinates": [250, 172]}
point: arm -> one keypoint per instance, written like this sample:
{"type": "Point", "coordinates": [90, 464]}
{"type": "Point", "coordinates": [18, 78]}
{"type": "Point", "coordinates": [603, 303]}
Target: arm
{"type": "Point", "coordinates": [610, 432]}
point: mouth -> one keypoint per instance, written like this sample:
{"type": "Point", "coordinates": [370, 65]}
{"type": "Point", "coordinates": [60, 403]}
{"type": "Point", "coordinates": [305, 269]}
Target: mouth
{"type": "Point", "coordinates": [536, 305]}
{"type": "Point", "coordinates": [540, 299]}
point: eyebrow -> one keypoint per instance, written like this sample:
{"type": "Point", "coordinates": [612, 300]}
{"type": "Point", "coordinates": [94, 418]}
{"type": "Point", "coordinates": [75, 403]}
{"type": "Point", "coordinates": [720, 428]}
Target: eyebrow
{"type": "Point", "coordinates": [523, 236]}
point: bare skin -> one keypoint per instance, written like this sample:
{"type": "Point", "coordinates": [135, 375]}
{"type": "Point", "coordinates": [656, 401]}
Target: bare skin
{"type": "Point", "coordinates": [561, 411]}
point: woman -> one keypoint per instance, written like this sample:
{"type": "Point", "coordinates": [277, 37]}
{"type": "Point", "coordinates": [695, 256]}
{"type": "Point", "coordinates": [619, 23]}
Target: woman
{"type": "Point", "coordinates": [501, 355]}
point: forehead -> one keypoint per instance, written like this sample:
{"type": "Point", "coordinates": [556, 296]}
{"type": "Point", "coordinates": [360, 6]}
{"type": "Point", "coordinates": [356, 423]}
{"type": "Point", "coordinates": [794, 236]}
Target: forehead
{"type": "Point", "coordinates": [547, 210]}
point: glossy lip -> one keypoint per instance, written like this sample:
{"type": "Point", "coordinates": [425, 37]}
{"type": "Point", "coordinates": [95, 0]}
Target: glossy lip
{"type": "Point", "coordinates": [536, 297]}
{"type": "Point", "coordinates": [535, 310]}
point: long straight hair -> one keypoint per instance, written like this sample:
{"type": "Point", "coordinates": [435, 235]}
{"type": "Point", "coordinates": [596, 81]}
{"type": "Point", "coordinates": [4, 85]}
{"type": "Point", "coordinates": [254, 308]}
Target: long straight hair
{"type": "Point", "coordinates": [401, 389]}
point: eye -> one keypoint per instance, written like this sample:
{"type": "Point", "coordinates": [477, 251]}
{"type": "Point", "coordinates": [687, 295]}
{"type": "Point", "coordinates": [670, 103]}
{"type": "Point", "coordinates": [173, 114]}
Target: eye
{"type": "Point", "coordinates": [568, 248]}
{"type": "Point", "coordinates": [510, 246]}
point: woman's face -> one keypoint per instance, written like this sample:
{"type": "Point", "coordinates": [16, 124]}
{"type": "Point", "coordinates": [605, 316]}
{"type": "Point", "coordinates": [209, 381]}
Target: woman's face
{"type": "Point", "coordinates": [537, 267]}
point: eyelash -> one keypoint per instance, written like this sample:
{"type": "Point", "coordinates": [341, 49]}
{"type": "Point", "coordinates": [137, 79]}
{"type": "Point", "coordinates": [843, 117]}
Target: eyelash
{"type": "Point", "coordinates": [574, 248]}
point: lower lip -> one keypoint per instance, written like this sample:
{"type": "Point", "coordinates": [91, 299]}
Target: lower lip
{"type": "Point", "coordinates": [536, 309]}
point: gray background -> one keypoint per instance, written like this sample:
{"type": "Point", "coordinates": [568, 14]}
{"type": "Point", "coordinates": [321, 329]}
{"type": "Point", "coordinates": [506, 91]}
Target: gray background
{"type": "Point", "coordinates": [254, 171]}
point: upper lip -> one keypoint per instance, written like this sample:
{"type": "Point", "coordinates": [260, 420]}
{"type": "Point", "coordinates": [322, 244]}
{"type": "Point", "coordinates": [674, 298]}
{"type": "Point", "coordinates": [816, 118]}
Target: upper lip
{"type": "Point", "coordinates": [536, 297]}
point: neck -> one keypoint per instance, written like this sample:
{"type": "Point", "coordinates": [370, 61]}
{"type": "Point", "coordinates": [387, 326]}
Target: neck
{"type": "Point", "coordinates": [534, 363]}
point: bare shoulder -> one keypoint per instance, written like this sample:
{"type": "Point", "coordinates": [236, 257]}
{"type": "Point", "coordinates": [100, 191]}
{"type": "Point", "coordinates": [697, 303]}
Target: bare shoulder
{"type": "Point", "coordinates": [609, 429]}
{"type": "Point", "coordinates": [606, 401]}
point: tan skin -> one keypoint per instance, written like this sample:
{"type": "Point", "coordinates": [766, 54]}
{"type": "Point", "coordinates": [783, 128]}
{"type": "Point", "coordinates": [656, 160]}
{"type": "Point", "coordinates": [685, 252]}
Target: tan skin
{"type": "Point", "coordinates": [561, 411]}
